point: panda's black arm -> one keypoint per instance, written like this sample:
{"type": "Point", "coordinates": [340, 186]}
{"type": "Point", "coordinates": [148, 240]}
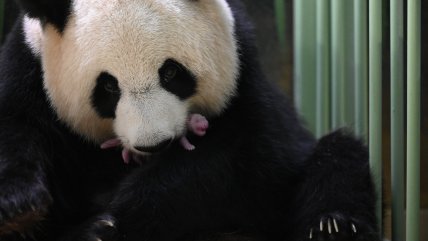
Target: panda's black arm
{"type": "Point", "coordinates": [24, 136]}
{"type": "Point", "coordinates": [170, 200]}
{"type": "Point", "coordinates": [24, 195]}
{"type": "Point", "coordinates": [337, 197]}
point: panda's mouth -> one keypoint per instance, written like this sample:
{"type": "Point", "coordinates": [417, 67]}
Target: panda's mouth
{"type": "Point", "coordinates": [127, 154]}
{"type": "Point", "coordinates": [196, 124]}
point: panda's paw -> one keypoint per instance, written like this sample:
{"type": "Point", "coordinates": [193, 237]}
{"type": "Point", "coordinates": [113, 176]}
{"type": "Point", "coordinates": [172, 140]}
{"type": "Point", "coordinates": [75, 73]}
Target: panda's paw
{"type": "Point", "coordinates": [339, 227]}
{"type": "Point", "coordinates": [102, 229]}
{"type": "Point", "coordinates": [22, 206]}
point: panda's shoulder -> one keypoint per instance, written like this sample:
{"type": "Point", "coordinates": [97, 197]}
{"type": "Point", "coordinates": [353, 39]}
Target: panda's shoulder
{"type": "Point", "coordinates": [21, 82]}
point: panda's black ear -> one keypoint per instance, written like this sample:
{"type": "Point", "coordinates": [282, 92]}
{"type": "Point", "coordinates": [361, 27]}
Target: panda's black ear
{"type": "Point", "coordinates": [55, 12]}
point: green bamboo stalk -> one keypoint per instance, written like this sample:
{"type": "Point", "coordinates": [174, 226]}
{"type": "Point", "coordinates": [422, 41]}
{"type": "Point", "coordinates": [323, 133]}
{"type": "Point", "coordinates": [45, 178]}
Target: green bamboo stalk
{"type": "Point", "coordinates": [413, 118]}
{"type": "Point", "coordinates": [397, 120]}
{"type": "Point", "coordinates": [361, 68]}
{"type": "Point", "coordinates": [280, 21]}
{"type": "Point", "coordinates": [305, 60]}
{"type": "Point", "coordinates": [323, 67]}
{"type": "Point", "coordinates": [338, 63]}
{"type": "Point", "coordinates": [349, 80]}
{"type": "Point", "coordinates": [375, 100]}
{"type": "Point", "coordinates": [2, 9]}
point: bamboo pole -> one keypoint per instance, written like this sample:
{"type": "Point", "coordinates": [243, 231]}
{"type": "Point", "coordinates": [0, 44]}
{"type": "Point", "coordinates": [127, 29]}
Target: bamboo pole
{"type": "Point", "coordinates": [305, 60]}
{"type": "Point", "coordinates": [2, 9]}
{"type": "Point", "coordinates": [413, 118]}
{"type": "Point", "coordinates": [323, 67]}
{"type": "Point", "coordinates": [375, 99]}
{"type": "Point", "coordinates": [361, 68]}
{"type": "Point", "coordinates": [280, 21]}
{"type": "Point", "coordinates": [338, 63]}
{"type": "Point", "coordinates": [397, 120]}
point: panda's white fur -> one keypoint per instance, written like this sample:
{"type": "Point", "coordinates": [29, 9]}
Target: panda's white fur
{"type": "Point", "coordinates": [131, 39]}
{"type": "Point", "coordinates": [33, 35]}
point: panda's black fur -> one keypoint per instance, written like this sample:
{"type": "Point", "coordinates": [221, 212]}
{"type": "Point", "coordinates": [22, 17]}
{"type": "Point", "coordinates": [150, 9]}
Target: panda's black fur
{"type": "Point", "coordinates": [256, 175]}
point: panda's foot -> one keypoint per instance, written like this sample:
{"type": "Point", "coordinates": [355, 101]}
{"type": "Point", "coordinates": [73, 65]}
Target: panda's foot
{"type": "Point", "coordinates": [102, 229]}
{"type": "Point", "coordinates": [22, 207]}
{"type": "Point", "coordinates": [338, 227]}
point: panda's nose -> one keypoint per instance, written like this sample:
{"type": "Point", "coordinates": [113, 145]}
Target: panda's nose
{"type": "Point", "coordinates": [156, 148]}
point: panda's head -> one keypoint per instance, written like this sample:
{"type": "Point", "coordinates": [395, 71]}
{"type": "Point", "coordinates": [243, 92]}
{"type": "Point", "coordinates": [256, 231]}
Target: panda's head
{"type": "Point", "coordinates": [134, 69]}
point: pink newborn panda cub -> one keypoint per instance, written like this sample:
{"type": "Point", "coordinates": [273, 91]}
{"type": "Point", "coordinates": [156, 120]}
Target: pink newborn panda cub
{"type": "Point", "coordinates": [196, 123]}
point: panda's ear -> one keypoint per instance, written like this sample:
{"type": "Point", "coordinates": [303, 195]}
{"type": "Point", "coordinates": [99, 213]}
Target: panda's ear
{"type": "Point", "coordinates": [55, 12]}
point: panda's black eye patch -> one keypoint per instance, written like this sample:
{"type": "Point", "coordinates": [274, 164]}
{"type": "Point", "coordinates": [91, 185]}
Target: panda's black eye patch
{"type": "Point", "coordinates": [106, 95]}
{"type": "Point", "coordinates": [177, 79]}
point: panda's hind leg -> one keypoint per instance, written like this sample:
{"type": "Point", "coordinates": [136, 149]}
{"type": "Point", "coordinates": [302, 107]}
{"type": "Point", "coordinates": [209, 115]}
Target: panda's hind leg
{"type": "Point", "coordinates": [337, 199]}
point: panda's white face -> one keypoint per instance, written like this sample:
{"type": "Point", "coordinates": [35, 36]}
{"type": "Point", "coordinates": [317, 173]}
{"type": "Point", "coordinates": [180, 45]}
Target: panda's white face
{"type": "Point", "coordinates": [135, 69]}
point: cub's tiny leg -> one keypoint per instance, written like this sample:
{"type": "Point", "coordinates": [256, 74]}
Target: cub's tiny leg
{"type": "Point", "coordinates": [198, 125]}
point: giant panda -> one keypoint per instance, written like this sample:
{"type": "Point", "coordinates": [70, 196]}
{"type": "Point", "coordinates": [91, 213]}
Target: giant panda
{"type": "Point", "coordinates": [77, 73]}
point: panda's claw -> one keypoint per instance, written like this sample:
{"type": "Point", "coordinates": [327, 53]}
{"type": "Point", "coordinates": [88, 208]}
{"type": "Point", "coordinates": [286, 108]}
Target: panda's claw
{"type": "Point", "coordinates": [103, 227]}
{"type": "Point", "coordinates": [354, 228]}
{"type": "Point", "coordinates": [108, 223]}
{"type": "Point", "coordinates": [336, 227]}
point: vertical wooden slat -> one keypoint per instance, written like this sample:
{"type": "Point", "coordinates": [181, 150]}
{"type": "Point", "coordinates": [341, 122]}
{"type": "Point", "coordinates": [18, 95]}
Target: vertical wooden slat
{"type": "Point", "coordinates": [397, 120]}
{"type": "Point", "coordinates": [305, 60]}
{"type": "Point", "coordinates": [338, 63]}
{"type": "Point", "coordinates": [361, 68]}
{"type": "Point", "coordinates": [323, 67]}
{"type": "Point", "coordinates": [375, 97]}
{"type": "Point", "coordinates": [413, 118]}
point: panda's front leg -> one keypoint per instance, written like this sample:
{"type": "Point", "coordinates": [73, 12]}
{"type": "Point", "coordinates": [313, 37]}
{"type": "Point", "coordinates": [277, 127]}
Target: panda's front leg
{"type": "Point", "coordinates": [24, 195]}
{"type": "Point", "coordinates": [170, 200]}
{"type": "Point", "coordinates": [337, 199]}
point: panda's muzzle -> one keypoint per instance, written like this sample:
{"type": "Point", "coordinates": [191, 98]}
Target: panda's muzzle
{"type": "Point", "coordinates": [156, 148]}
